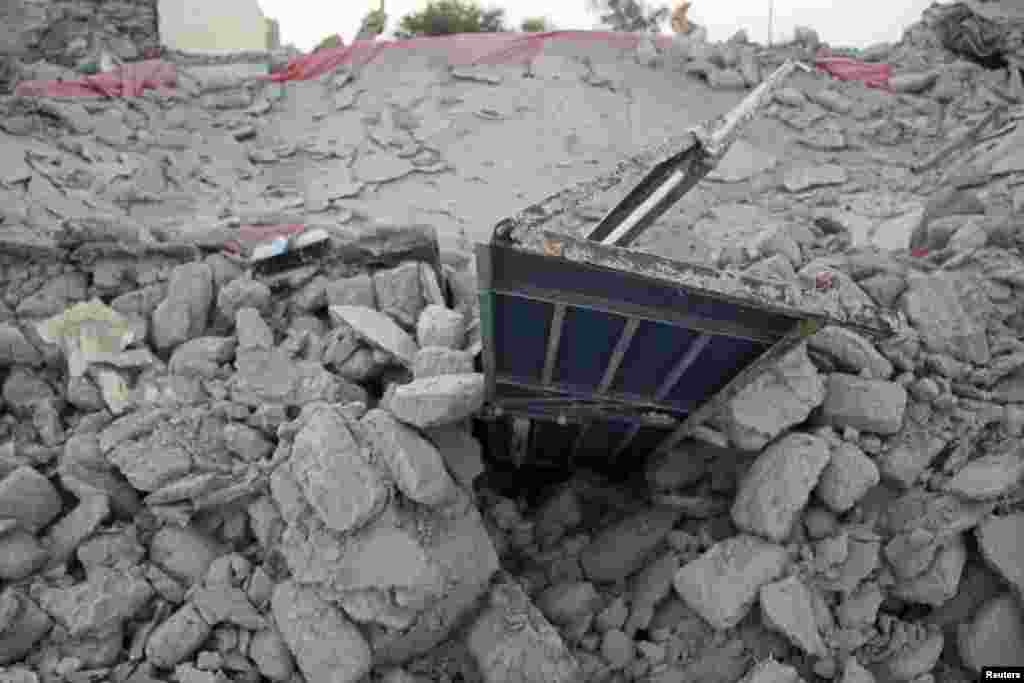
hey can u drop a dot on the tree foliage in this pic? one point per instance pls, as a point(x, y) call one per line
point(535, 25)
point(631, 15)
point(445, 17)
point(373, 24)
point(330, 41)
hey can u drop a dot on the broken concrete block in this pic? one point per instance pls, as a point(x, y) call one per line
point(803, 178)
point(328, 648)
point(847, 477)
point(377, 330)
point(865, 404)
point(202, 356)
point(996, 634)
point(252, 331)
point(999, 541)
point(788, 607)
point(440, 326)
point(29, 498)
point(107, 598)
point(183, 315)
point(934, 306)
point(243, 292)
point(462, 453)
point(177, 638)
point(567, 602)
point(939, 582)
point(511, 640)
point(351, 291)
point(780, 398)
point(274, 377)
point(414, 462)
point(772, 671)
point(988, 477)
point(722, 584)
point(431, 361)
point(853, 351)
point(270, 654)
point(399, 293)
point(25, 624)
point(66, 535)
point(334, 472)
point(15, 349)
point(914, 659)
point(620, 550)
point(20, 555)
point(437, 401)
point(185, 553)
point(778, 485)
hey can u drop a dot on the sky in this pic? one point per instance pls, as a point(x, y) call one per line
point(839, 22)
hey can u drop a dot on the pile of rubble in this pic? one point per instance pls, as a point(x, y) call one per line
point(211, 474)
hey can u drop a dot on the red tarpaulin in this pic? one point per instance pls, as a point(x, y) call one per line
point(463, 49)
point(127, 80)
point(848, 69)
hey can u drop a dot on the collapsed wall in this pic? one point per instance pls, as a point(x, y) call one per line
point(209, 474)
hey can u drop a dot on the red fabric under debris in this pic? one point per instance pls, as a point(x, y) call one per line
point(127, 80)
point(251, 235)
point(848, 69)
point(463, 49)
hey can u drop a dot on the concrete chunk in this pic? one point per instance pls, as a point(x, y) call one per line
point(788, 607)
point(847, 477)
point(30, 498)
point(415, 463)
point(851, 350)
point(436, 401)
point(865, 404)
point(378, 330)
point(778, 485)
point(722, 584)
point(621, 549)
point(999, 539)
point(328, 648)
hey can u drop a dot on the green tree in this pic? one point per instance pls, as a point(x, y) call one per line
point(328, 42)
point(373, 24)
point(535, 25)
point(631, 15)
point(445, 17)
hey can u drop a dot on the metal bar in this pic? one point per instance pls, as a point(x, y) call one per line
point(798, 334)
point(680, 368)
point(764, 296)
point(573, 414)
point(554, 339)
point(488, 335)
point(586, 393)
point(670, 180)
point(621, 346)
point(625, 443)
point(631, 310)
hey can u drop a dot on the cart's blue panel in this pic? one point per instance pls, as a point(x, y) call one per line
point(684, 347)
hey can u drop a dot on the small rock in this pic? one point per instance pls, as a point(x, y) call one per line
point(15, 349)
point(378, 330)
point(20, 555)
point(722, 584)
point(914, 83)
point(996, 634)
point(617, 648)
point(177, 639)
point(915, 659)
point(853, 351)
point(183, 314)
point(29, 498)
point(788, 607)
point(778, 485)
point(620, 550)
point(566, 603)
point(999, 541)
point(462, 453)
point(270, 653)
point(328, 648)
point(184, 553)
point(106, 599)
point(805, 178)
point(988, 477)
point(832, 100)
point(243, 292)
point(790, 97)
point(253, 332)
point(847, 477)
point(431, 361)
point(771, 671)
point(436, 401)
point(414, 462)
point(511, 641)
point(440, 326)
point(864, 404)
point(246, 442)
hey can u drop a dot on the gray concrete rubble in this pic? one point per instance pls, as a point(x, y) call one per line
point(212, 473)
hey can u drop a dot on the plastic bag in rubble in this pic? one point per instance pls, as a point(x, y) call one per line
point(88, 332)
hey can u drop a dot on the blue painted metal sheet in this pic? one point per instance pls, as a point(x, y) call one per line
point(609, 362)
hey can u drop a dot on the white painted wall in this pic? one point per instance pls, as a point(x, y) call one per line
point(205, 26)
